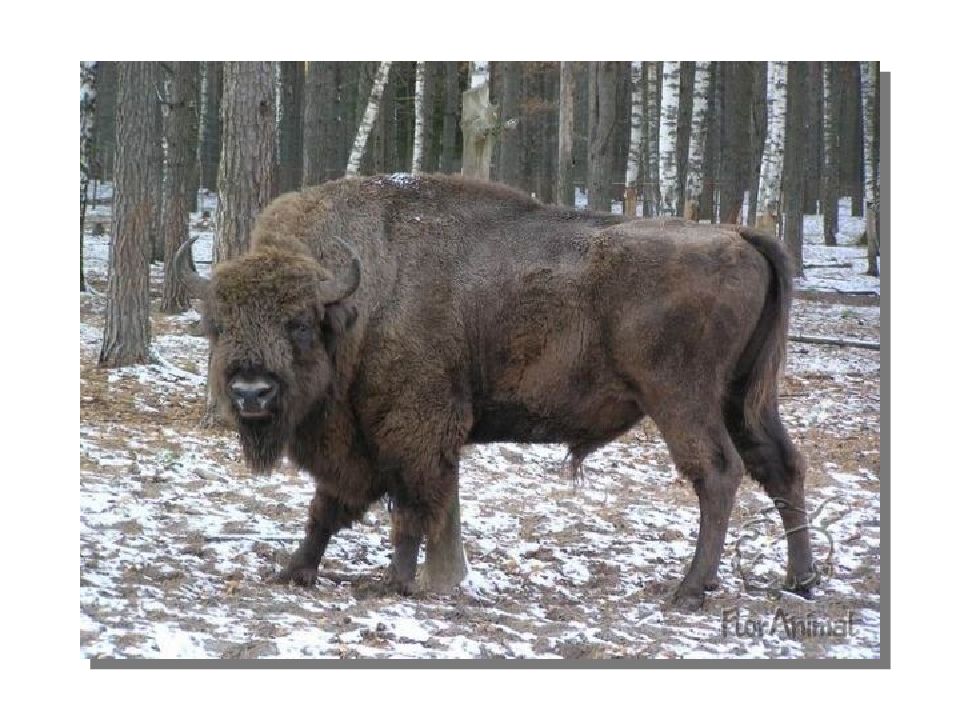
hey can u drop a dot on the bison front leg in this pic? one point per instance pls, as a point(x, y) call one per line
point(327, 516)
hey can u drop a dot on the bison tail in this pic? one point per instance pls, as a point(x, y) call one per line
point(757, 374)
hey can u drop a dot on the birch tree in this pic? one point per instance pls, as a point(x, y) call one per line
point(126, 331)
point(830, 180)
point(669, 107)
point(868, 91)
point(369, 117)
point(771, 166)
point(651, 193)
point(416, 165)
point(88, 97)
point(635, 153)
point(698, 137)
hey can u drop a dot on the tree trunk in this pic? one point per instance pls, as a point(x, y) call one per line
point(698, 136)
point(312, 126)
point(565, 192)
point(684, 117)
point(210, 147)
point(830, 182)
point(651, 191)
point(181, 121)
point(104, 125)
point(88, 98)
point(419, 120)
point(771, 166)
point(291, 125)
point(369, 116)
point(869, 77)
point(634, 155)
point(601, 126)
point(156, 159)
point(735, 161)
point(126, 333)
point(511, 147)
point(793, 161)
point(669, 108)
point(711, 148)
point(813, 122)
point(451, 117)
point(758, 136)
point(247, 156)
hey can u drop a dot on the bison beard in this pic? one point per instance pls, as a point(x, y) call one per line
point(485, 316)
point(263, 441)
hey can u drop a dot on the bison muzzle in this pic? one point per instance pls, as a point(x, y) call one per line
point(456, 312)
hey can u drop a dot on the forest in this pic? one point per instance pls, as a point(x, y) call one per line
point(177, 536)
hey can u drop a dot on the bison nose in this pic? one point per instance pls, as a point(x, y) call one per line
point(253, 397)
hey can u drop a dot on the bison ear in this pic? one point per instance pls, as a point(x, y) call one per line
point(338, 317)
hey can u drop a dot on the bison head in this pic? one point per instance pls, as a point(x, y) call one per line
point(273, 318)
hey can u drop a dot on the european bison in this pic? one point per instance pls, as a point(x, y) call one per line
point(378, 325)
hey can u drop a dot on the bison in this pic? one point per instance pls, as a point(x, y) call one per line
point(377, 325)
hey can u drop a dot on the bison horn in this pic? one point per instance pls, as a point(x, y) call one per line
point(196, 285)
point(345, 284)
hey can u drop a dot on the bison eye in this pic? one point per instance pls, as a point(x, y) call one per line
point(301, 332)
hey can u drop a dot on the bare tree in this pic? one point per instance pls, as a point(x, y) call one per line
point(416, 165)
point(211, 124)
point(88, 97)
point(369, 116)
point(601, 121)
point(830, 180)
point(565, 144)
point(669, 109)
point(180, 131)
point(698, 135)
point(651, 190)
point(291, 125)
point(637, 127)
point(771, 166)
point(511, 146)
point(451, 117)
point(869, 76)
point(126, 333)
point(248, 154)
point(798, 76)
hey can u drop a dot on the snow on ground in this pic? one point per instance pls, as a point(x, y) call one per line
point(177, 538)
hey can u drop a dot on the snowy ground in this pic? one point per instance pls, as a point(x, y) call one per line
point(177, 537)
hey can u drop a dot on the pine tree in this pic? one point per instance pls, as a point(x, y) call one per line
point(180, 132)
point(126, 334)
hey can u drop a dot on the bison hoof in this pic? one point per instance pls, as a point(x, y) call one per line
point(804, 584)
point(299, 575)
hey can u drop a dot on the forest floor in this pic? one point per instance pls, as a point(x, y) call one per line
point(177, 537)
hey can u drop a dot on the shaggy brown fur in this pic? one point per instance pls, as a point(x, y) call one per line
point(483, 315)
